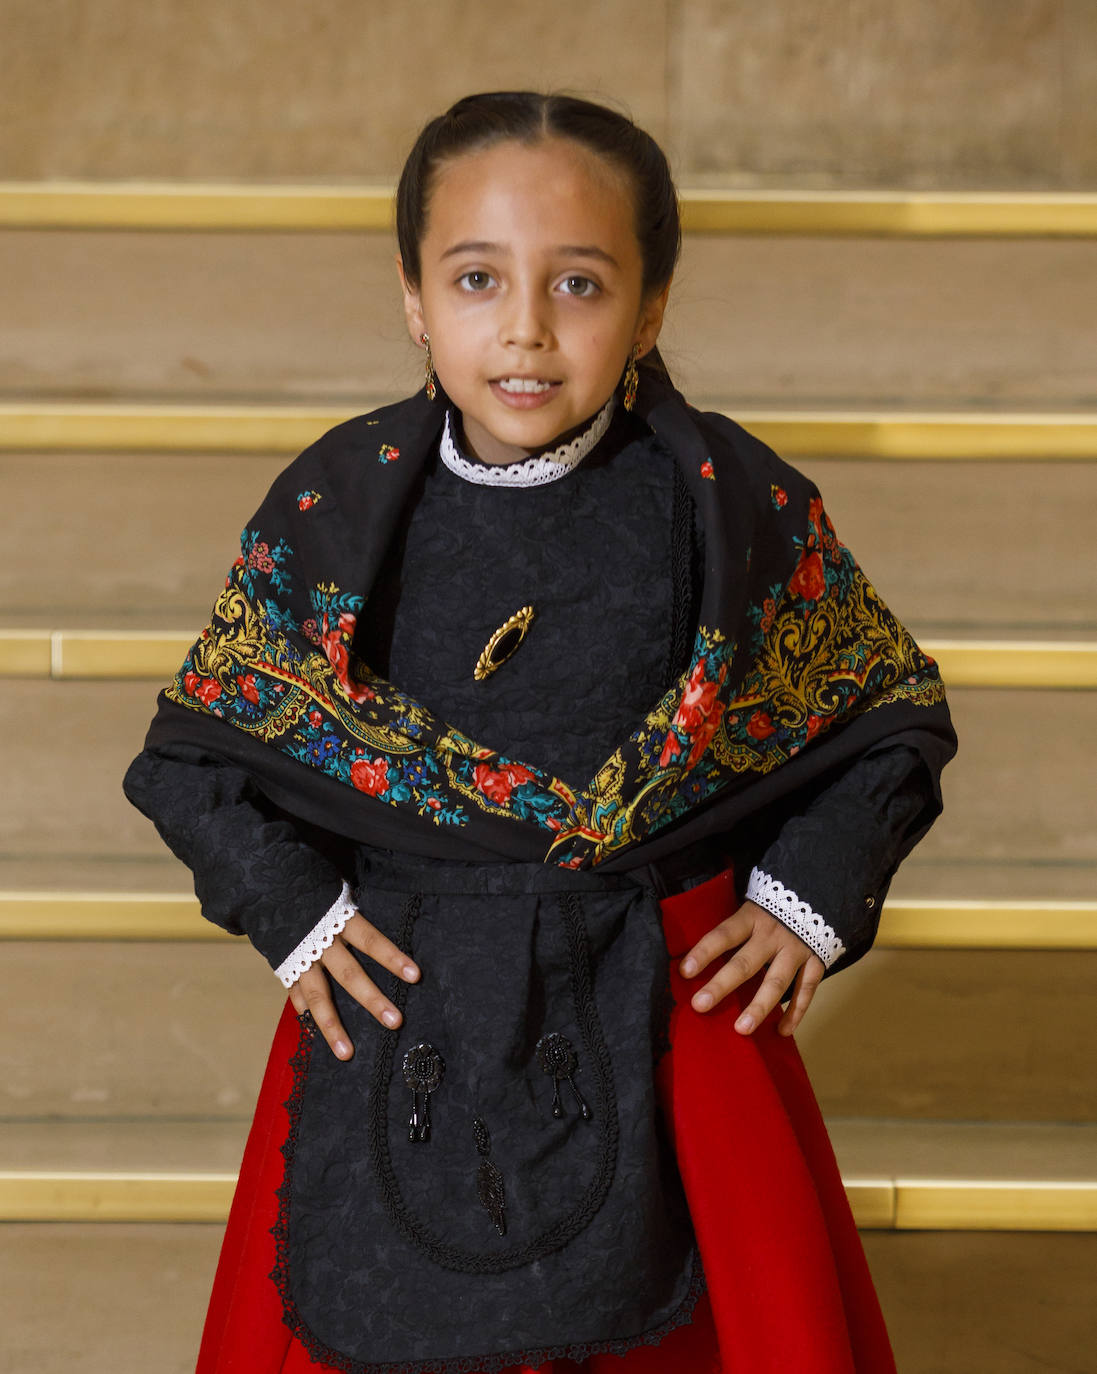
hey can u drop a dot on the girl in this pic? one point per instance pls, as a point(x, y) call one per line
point(528, 700)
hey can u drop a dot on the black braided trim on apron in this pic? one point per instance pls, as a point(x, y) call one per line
point(321, 1353)
point(557, 1236)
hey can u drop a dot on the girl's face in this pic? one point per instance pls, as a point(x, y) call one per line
point(531, 291)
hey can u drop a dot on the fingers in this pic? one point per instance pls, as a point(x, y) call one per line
point(743, 965)
point(312, 991)
point(807, 980)
point(729, 933)
point(758, 939)
point(351, 976)
point(367, 938)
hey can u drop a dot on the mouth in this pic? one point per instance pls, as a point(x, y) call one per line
point(523, 386)
point(524, 393)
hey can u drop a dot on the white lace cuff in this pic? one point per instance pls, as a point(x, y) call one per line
point(318, 939)
point(783, 903)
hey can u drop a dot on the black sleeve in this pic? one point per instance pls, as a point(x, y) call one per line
point(257, 871)
point(826, 871)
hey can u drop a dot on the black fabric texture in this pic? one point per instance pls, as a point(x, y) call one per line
point(257, 871)
point(595, 1217)
point(838, 853)
point(593, 553)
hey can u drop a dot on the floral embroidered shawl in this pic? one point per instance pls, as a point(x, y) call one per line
point(797, 667)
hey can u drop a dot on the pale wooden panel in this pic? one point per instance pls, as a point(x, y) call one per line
point(754, 321)
point(172, 1030)
point(934, 94)
point(274, 90)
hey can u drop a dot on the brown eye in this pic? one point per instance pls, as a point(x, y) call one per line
point(475, 281)
point(579, 286)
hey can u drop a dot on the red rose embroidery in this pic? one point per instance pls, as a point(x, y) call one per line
point(814, 722)
point(315, 719)
point(190, 683)
point(248, 688)
point(207, 691)
point(498, 783)
point(760, 726)
point(371, 777)
point(699, 712)
point(809, 579)
point(779, 495)
point(671, 750)
point(707, 470)
point(337, 655)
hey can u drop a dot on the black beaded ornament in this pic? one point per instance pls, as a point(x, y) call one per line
point(558, 1058)
point(489, 1178)
point(424, 1069)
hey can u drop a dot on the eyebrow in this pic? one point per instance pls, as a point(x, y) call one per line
point(564, 250)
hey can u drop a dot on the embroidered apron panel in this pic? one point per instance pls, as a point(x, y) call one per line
point(542, 1161)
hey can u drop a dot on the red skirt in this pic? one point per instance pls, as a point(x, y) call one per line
point(788, 1285)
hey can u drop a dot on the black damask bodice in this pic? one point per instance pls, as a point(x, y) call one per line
point(603, 557)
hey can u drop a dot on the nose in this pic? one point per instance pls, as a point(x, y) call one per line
point(525, 322)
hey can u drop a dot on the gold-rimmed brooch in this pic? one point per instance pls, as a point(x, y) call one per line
point(503, 643)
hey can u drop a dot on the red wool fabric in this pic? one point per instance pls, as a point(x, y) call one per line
point(788, 1285)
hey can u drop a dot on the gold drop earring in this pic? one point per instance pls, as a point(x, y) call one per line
point(432, 385)
point(632, 378)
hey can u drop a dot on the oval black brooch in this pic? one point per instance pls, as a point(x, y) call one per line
point(503, 643)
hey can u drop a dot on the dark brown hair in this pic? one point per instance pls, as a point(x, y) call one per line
point(478, 121)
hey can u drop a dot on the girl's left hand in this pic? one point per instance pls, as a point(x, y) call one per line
point(758, 939)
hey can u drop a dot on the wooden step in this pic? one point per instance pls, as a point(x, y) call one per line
point(120, 655)
point(929, 535)
point(895, 434)
point(992, 1302)
point(85, 1298)
point(755, 322)
point(936, 1177)
point(57, 914)
point(709, 210)
point(986, 1303)
point(964, 98)
point(937, 1033)
point(156, 1030)
point(174, 1030)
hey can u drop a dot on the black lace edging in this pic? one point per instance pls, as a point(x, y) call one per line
point(318, 1351)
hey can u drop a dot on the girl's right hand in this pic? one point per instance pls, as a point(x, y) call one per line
point(312, 991)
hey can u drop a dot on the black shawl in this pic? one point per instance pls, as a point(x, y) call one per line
point(797, 668)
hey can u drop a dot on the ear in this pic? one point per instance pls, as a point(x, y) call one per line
point(413, 307)
point(651, 319)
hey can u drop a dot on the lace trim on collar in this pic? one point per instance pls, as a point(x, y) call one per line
point(530, 472)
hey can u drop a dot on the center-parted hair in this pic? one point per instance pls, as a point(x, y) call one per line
point(478, 121)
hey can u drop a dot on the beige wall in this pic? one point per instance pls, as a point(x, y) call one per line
point(935, 93)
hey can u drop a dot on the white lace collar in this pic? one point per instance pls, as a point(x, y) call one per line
point(529, 472)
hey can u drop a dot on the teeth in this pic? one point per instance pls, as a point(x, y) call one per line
point(520, 385)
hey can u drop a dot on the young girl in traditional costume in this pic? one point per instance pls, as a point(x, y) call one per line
point(528, 701)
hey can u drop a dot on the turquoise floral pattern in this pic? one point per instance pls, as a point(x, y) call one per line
point(821, 648)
